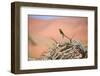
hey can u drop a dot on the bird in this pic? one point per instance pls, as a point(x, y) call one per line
point(63, 35)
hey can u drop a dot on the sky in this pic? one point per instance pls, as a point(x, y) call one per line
point(44, 17)
point(43, 28)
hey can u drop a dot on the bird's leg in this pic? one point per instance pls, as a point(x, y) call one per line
point(62, 37)
point(71, 40)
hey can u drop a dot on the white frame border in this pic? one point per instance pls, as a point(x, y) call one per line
point(25, 64)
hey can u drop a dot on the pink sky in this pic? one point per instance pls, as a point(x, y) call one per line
point(42, 28)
